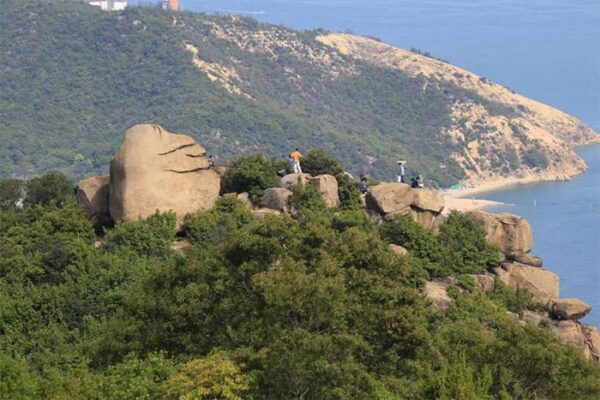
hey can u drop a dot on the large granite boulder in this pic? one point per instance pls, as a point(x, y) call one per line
point(543, 284)
point(527, 259)
point(277, 199)
point(426, 218)
point(92, 196)
point(327, 186)
point(428, 199)
point(483, 282)
point(593, 341)
point(511, 233)
point(568, 332)
point(399, 250)
point(158, 170)
point(569, 308)
point(291, 180)
point(389, 198)
point(437, 292)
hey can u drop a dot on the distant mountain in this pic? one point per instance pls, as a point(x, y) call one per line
point(74, 78)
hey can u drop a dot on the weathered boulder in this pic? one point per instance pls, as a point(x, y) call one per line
point(158, 170)
point(568, 332)
point(401, 251)
point(428, 199)
point(528, 259)
point(569, 308)
point(92, 195)
point(327, 186)
point(261, 213)
point(277, 199)
point(244, 197)
point(483, 282)
point(388, 198)
point(436, 291)
point(534, 318)
point(511, 233)
point(427, 219)
point(291, 180)
point(593, 341)
point(543, 284)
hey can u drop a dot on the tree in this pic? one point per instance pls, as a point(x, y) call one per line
point(11, 191)
point(318, 162)
point(50, 187)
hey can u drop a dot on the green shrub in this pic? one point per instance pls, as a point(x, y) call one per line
point(348, 192)
point(150, 237)
point(50, 187)
point(466, 249)
point(212, 226)
point(252, 174)
point(318, 162)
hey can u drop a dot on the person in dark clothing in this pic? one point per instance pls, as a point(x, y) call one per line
point(413, 183)
point(362, 185)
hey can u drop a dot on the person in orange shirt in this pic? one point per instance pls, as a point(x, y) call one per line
point(296, 155)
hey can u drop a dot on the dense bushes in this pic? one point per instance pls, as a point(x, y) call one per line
point(252, 174)
point(314, 306)
point(318, 162)
point(460, 247)
point(50, 187)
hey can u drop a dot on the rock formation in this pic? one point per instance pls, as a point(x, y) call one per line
point(541, 283)
point(424, 206)
point(92, 195)
point(291, 180)
point(569, 308)
point(158, 170)
point(401, 251)
point(327, 186)
point(389, 198)
point(511, 233)
point(277, 199)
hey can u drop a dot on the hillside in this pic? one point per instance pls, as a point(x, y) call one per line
point(74, 79)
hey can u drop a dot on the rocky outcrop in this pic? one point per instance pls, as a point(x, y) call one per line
point(92, 196)
point(592, 340)
point(327, 186)
point(399, 250)
point(511, 233)
point(436, 292)
point(277, 199)
point(541, 283)
point(483, 282)
point(158, 170)
point(389, 198)
point(569, 308)
point(527, 259)
point(428, 200)
point(291, 180)
point(423, 206)
point(261, 213)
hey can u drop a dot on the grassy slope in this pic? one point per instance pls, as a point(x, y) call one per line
point(74, 79)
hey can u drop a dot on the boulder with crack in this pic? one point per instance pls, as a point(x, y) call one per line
point(158, 170)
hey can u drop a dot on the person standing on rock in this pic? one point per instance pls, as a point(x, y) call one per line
point(296, 155)
point(401, 171)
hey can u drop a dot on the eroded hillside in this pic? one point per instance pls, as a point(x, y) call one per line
point(75, 79)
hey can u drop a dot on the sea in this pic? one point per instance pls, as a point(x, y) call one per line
point(548, 50)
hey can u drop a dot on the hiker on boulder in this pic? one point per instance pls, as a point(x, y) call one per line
point(296, 156)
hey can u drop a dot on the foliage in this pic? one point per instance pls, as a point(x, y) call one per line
point(460, 247)
point(11, 191)
point(214, 225)
point(252, 174)
point(348, 192)
point(150, 237)
point(120, 62)
point(50, 187)
point(212, 377)
point(309, 306)
point(319, 162)
point(465, 244)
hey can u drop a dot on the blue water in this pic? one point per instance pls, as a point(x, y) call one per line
point(565, 217)
point(545, 49)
